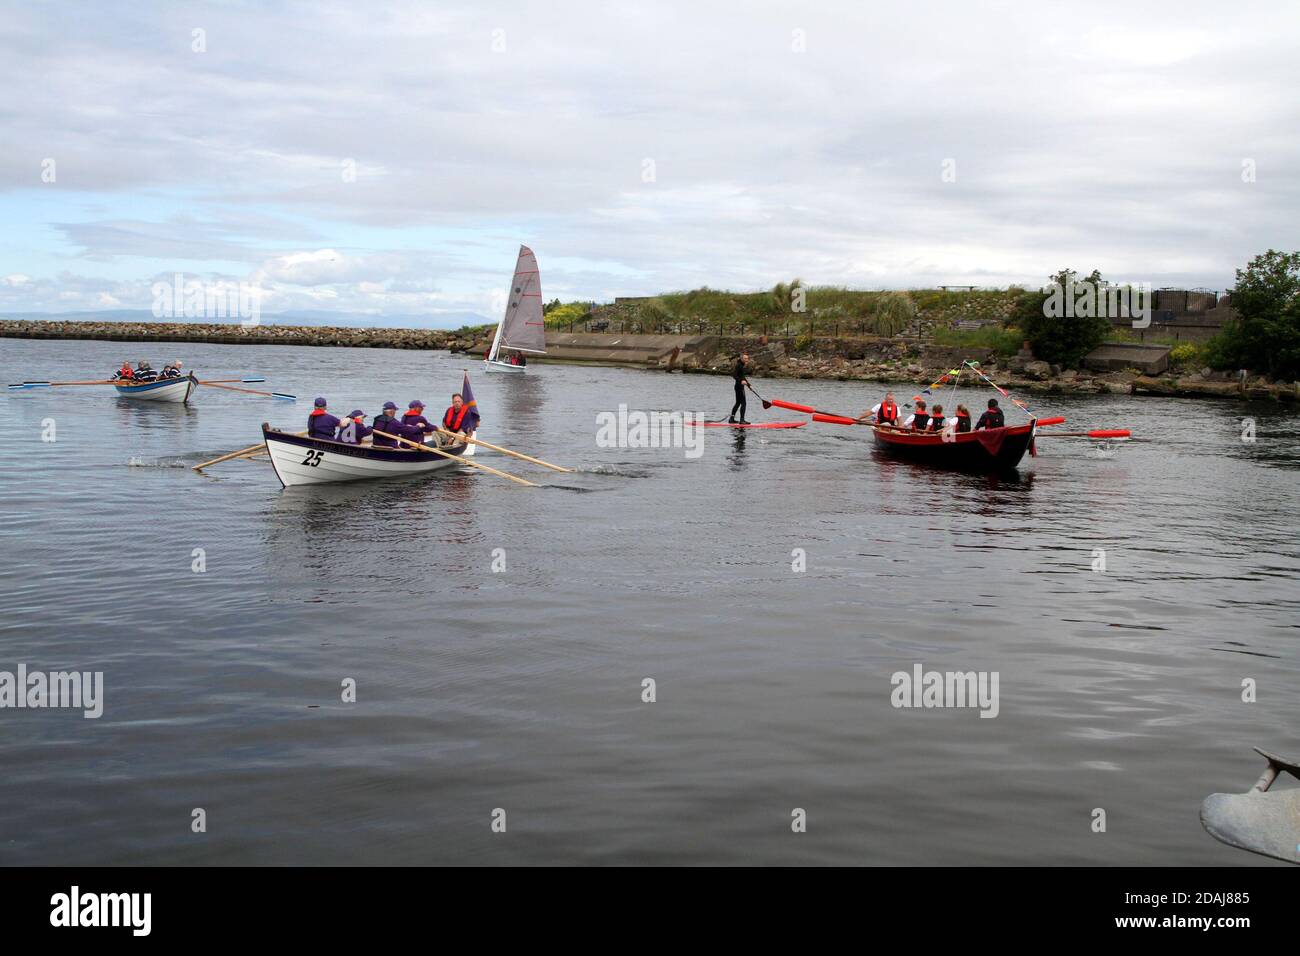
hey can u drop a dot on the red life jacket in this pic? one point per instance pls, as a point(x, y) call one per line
point(888, 413)
point(126, 371)
point(963, 422)
point(452, 420)
point(937, 422)
point(317, 411)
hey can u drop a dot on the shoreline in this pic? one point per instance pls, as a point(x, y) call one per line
point(890, 361)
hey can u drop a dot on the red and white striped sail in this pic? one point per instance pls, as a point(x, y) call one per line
point(522, 328)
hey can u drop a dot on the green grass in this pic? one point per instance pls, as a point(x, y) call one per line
point(1005, 342)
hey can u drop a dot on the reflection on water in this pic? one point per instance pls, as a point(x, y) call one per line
point(499, 635)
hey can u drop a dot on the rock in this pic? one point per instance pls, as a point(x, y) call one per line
point(1037, 370)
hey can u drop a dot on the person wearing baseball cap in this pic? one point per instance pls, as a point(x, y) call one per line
point(386, 421)
point(320, 423)
point(414, 418)
point(353, 430)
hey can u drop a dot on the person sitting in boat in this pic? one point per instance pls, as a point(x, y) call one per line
point(883, 412)
point(919, 420)
point(414, 419)
point(992, 418)
point(125, 372)
point(173, 370)
point(320, 423)
point(352, 430)
point(962, 418)
point(453, 419)
point(144, 372)
point(937, 421)
point(386, 421)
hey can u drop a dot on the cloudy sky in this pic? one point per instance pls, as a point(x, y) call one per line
point(389, 158)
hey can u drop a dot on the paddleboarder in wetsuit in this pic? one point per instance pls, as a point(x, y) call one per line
point(738, 373)
point(992, 418)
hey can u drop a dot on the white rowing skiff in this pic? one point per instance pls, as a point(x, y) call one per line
point(299, 460)
point(176, 390)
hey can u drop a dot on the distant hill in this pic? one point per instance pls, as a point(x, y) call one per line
point(313, 317)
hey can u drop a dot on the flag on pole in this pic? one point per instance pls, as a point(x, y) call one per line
point(472, 416)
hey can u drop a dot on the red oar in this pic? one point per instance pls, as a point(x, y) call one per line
point(838, 419)
point(1096, 433)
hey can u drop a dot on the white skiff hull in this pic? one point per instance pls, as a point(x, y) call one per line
point(490, 365)
point(298, 460)
point(176, 390)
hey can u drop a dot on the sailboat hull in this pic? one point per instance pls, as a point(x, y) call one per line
point(491, 365)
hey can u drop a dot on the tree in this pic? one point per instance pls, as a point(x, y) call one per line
point(1265, 335)
point(1063, 336)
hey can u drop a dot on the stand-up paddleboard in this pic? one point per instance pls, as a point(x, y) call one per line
point(749, 425)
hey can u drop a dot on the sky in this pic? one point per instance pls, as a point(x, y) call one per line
point(388, 159)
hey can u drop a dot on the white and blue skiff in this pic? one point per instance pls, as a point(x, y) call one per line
point(176, 390)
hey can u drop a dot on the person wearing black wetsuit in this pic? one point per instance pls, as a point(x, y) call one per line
point(992, 418)
point(738, 373)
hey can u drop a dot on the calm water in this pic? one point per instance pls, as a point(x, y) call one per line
point(522, 690)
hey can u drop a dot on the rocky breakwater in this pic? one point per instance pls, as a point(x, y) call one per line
point(228, 334)
point(914, 364)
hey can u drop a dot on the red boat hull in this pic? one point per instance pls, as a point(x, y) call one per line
point(988, 450)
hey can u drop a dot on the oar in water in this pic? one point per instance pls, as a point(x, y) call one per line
point(237, 381)
point(233, 454)
point(504, 451)
point(460, 458)
point(250, 450)
point(126, 381)
point(253, 391)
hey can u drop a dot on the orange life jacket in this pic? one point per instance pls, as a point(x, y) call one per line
point(888, 412)
point(454, 418)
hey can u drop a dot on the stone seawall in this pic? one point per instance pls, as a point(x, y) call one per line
point(228, 334)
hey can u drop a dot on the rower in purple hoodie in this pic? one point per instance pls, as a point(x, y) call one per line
point(320, 423)
point(418, 426)
point(387, 422)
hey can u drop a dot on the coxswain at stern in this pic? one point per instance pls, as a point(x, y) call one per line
point(992, 418)
point(883, 412)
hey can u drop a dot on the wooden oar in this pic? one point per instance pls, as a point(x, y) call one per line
point(253, 391)
point(219, 381)
point(460, 458)
point(505, 451)
point(233, 454)
point(120, 381)
point(251, 449)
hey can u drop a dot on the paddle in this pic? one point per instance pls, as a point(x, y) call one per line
point(218, 381)
point(253, 391)
point(460, 458)
point(505, 451)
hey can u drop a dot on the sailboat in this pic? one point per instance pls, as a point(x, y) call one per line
point(521, 329)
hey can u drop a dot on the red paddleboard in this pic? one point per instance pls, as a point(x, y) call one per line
point(752, 425)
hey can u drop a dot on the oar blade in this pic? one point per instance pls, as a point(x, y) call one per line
point(285, 395)
point(806, 409)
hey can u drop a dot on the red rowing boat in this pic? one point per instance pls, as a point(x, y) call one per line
point(991, 449)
